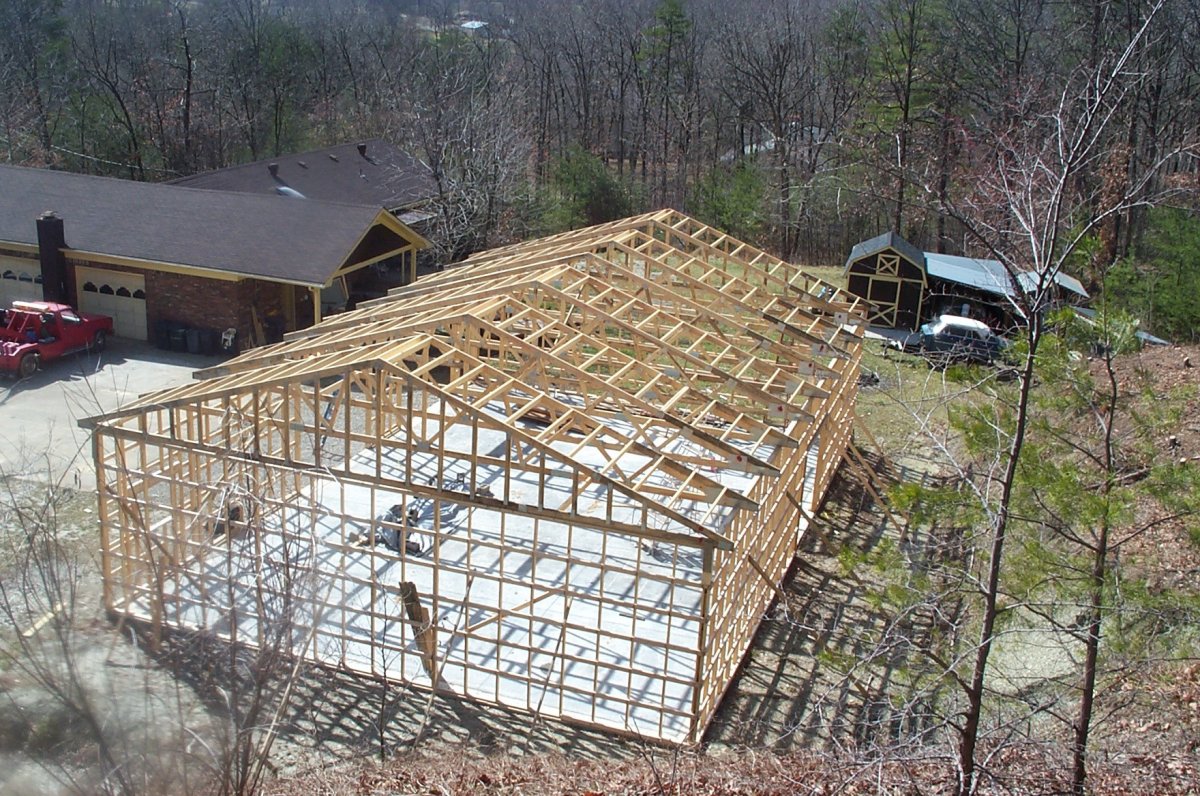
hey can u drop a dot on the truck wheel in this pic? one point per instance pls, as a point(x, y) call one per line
point(99, 341)
point(29, 365)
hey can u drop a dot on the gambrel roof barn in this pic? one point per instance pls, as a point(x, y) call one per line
point(901, 286)
point(566, 476)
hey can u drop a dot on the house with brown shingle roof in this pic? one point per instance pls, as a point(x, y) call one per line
point(372, 172)
point(157, 254)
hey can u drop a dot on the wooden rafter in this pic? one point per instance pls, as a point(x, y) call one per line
point(590, 456)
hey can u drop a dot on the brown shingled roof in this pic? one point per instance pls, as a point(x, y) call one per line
point(268, 237)
point(382, 175)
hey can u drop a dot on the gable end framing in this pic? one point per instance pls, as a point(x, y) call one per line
point(590, 456)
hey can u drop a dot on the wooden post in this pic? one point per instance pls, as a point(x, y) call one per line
point(418, 618)
point(862, 426)
point(780, 593)
point(289, 307)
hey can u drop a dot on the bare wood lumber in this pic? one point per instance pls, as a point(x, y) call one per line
point(426, 632)
point(780, 593)
point(813, 525)
point(863, 474)
point(590, 455)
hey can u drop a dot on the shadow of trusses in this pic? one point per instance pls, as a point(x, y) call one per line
point(821, 669)
point(346, 715)
point(793, 689)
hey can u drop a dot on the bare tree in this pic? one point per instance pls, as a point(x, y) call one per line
point(39, 596)
point(1036, 198)
point(456, 108)
point(152, 735)
point(904, 52)
point(772, 72)
point(32, 31)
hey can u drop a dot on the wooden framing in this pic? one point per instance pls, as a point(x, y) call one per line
point(566, 476)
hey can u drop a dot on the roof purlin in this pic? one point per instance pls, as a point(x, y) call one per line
point(548, 450)
point(679, 218)
point(783, 405)
point(678, 357)
point(738, 301)
point(569, 416)
point(654, 378)
point(759, 466)
point(775, 345)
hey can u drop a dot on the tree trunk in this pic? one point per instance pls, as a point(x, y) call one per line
point(1083, 723)
point(901, 160)
point(969, 733)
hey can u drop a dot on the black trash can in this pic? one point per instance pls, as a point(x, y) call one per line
point(162, 334)
point(208, 341)
point(193, 341)
point(179, 338)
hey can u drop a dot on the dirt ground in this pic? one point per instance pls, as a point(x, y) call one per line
point(1169, 375)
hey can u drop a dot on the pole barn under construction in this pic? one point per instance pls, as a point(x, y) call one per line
point(565, 476)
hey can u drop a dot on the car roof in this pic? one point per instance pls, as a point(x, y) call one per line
point(39, 306)
point(970, 323)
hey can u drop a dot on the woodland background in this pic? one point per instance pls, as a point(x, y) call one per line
point(806, 126)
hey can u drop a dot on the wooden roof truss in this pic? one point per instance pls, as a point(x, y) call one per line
point(650, 378)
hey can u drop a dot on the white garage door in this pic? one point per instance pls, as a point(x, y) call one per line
point(121, 295)
point(20, 280)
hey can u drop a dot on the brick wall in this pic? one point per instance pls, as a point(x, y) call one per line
point(201, 303)
point(192, 301)
point(266, 299)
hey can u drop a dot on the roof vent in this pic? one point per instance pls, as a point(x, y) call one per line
point(302, 164)
point(273, 168)
point(362, 150)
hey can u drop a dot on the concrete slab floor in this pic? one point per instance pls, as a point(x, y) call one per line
point(619, 651)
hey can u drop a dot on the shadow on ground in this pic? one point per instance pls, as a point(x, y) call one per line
point(800, 684)
point(785, 696)
point(340, 714)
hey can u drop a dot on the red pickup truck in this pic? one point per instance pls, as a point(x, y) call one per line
point(32, 332)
